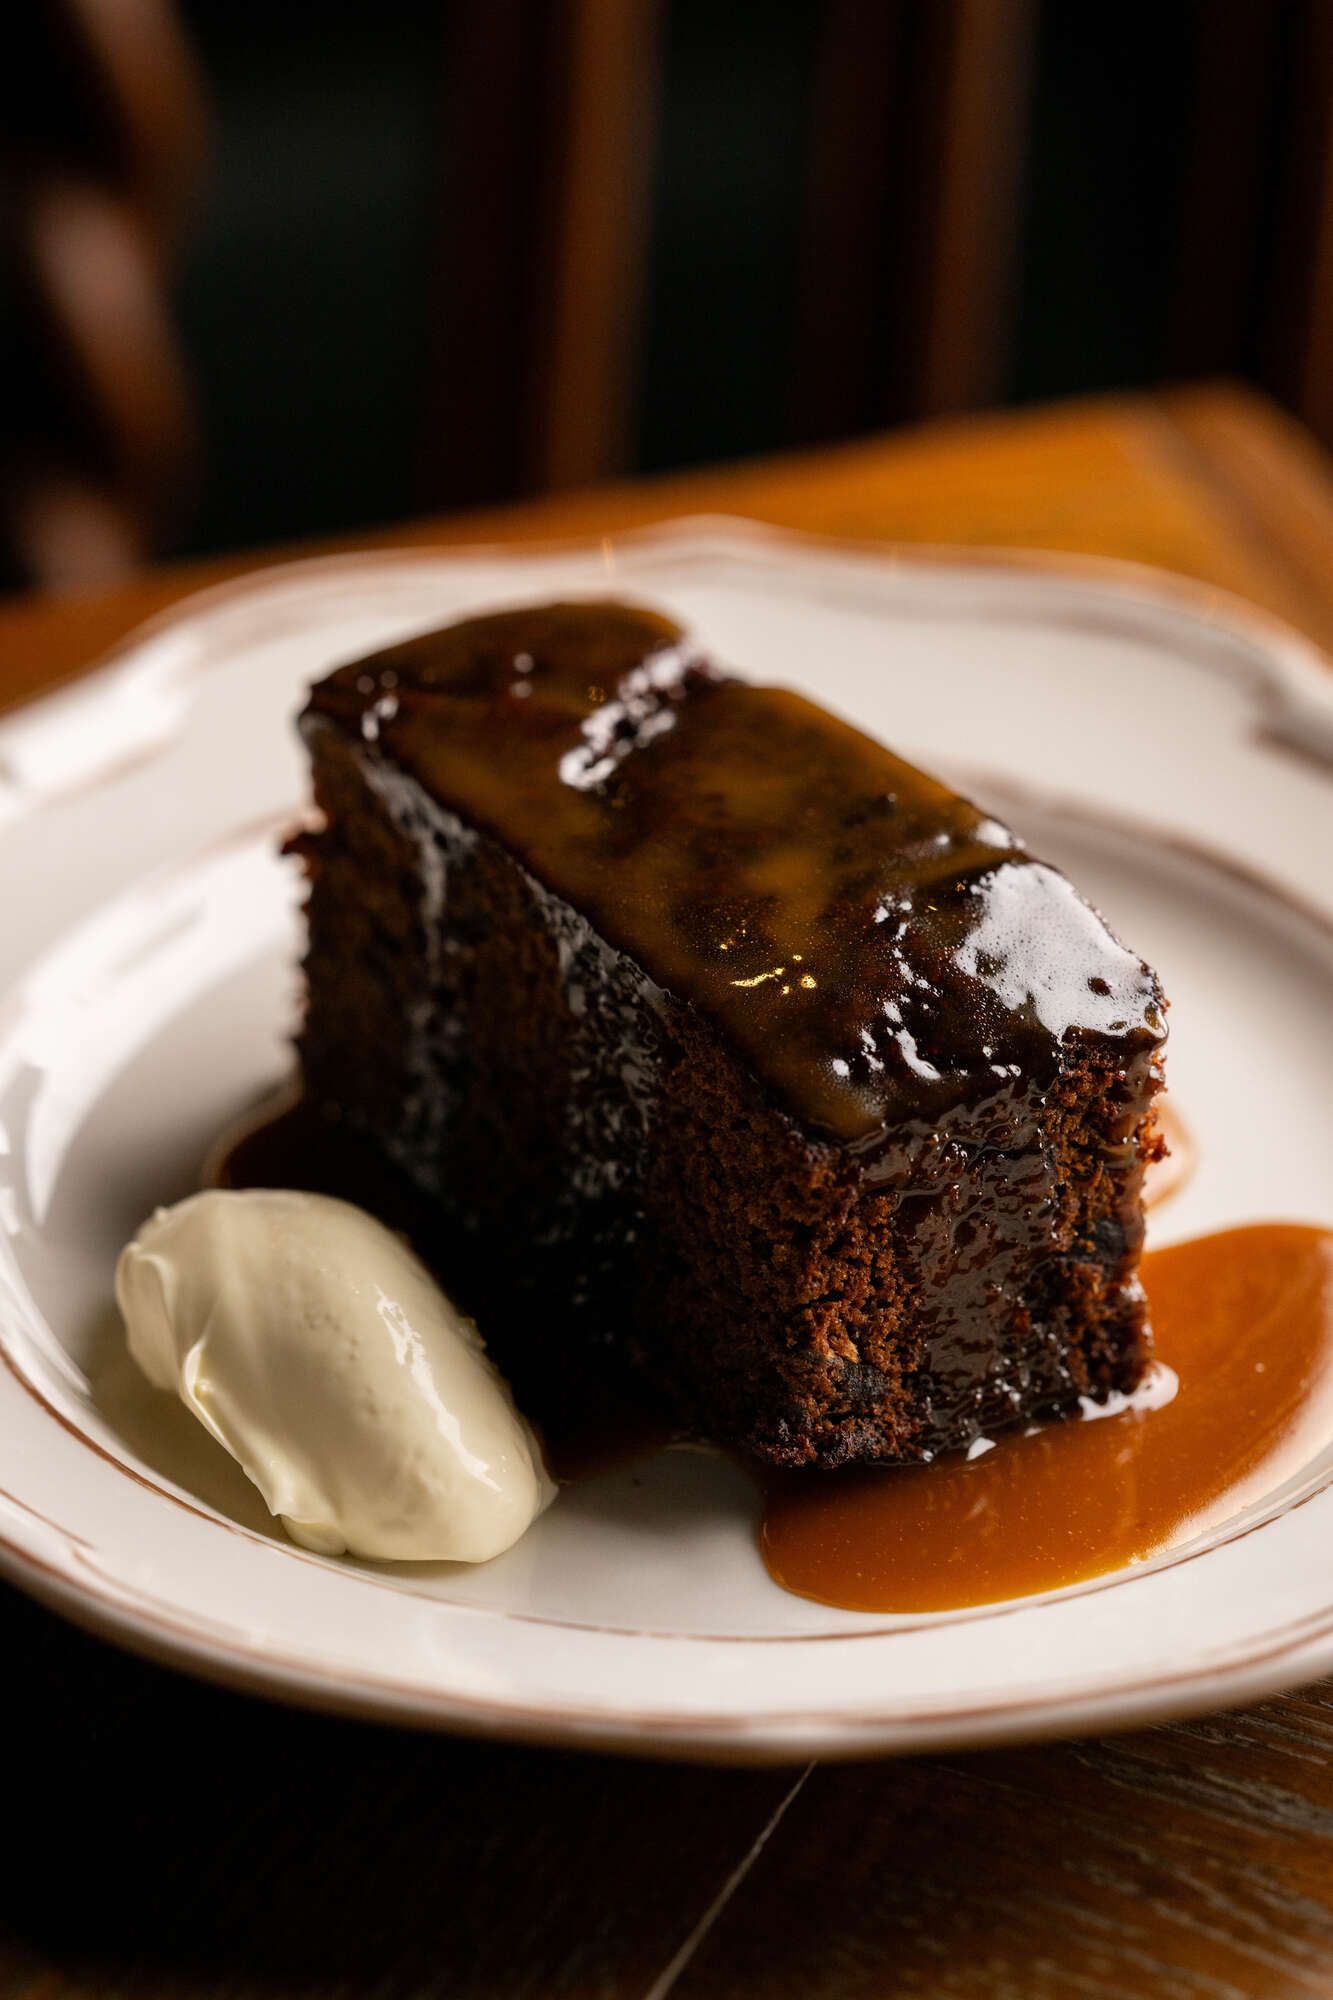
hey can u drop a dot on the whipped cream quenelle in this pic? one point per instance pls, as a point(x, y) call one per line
point(313, 1345)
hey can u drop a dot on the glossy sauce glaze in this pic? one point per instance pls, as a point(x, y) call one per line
point(1243, 1318)
point(878, 949)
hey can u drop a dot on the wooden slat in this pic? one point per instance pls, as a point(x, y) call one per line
point(476, 421)
point(1308, 227)
point(1252, 266)
point(587, 315)
point(965, 269)
point(912, 228)
point(100, 147)
point(542, 245)
point(855, 157)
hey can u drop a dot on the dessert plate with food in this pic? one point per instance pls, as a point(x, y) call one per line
point(590, 1148)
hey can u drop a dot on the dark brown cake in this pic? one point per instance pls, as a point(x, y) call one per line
point(820, 1100)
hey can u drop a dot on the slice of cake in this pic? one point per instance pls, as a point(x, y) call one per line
point(792, 1074)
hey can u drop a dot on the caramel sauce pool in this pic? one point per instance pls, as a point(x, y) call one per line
point(1244, 1318)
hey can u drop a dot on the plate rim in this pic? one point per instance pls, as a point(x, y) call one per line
point(1293, 670)
point(724, 1739)
point(1285, 660)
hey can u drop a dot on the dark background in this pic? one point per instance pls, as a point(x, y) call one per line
point(1161, 229)
point(303, 301)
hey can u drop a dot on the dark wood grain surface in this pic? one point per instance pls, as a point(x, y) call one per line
point(168, 1839)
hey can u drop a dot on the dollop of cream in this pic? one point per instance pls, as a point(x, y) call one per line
point(313, 1345)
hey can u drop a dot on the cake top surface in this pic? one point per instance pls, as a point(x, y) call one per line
point(873, 945)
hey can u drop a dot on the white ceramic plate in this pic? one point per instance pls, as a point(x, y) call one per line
point(1169, 747)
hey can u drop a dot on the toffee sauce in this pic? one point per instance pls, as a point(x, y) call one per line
point(1245, 1320)
point(875, 947)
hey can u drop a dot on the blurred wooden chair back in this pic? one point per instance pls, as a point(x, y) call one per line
point(913, 219)
point(100, 148)
point(903, 296)
point(898, 304)
point(900, 297)
point(909, 239)
point(1253, 277)
point(543, 249)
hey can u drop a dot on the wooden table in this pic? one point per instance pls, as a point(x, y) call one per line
point(168, 1839)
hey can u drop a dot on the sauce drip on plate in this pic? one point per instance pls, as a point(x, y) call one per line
point(1243, 1318)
